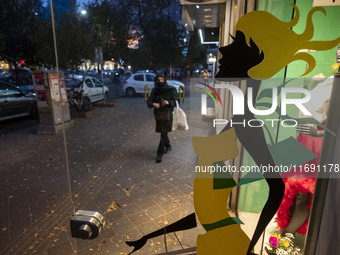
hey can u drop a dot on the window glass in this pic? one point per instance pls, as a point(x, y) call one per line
point(150, 77)
point(89, 83)
point(97, 83)
point(139, 77)
point(8, 91)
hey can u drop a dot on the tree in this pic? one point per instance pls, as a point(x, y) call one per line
point(110, 27)
point(74, 41)
point(18, 20)
point(196, 50)
point(158, 33)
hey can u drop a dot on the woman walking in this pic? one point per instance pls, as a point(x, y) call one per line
point(162, 99)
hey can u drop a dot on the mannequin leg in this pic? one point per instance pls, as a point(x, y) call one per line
point(299, 215)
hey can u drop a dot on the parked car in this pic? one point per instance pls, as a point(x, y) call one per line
point(91, 72)
point(92, 88)
point(107, 72)
point(145, 71)
point(73, 73)
point(22, 76)
point(117, 73)
point(136, 82)
point(16, 103)
point(175, 83)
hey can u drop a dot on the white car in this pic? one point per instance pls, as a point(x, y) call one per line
point(136, 82)
point(92, 88)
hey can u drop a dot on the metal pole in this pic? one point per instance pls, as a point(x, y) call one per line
point(101, 75)
point(213, 74)
point(62, 123)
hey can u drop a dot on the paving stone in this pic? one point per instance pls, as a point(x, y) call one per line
point(113, 214)
point(161, 197)
point(123, 225)
point(148, 227)
point(155, 211)
point(139, 218)
point(180, 212)
point(124, 200)
point(131, 209)
point(133, 234)
point(165, 219)
point(165, 186)
point(116, 246)
point(91, 250)
point(174, 193)
point(169, 206)
point(64, 248)
point(157, 181)
point(146, 203)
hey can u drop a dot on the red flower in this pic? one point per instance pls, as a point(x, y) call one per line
point(273, 242)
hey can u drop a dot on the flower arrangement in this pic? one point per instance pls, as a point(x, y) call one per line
point(281, 245)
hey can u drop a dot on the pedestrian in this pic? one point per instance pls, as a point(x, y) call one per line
point(206, 76)
point(163, 99)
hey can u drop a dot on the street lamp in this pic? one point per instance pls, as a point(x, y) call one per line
point(83, 12)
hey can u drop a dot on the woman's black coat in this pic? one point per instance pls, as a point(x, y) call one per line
point(158, 94)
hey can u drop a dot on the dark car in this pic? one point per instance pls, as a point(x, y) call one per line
point(20, 76)
point(117, 73)
point(16, 103)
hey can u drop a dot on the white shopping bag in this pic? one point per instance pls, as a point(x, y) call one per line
point(179, 119)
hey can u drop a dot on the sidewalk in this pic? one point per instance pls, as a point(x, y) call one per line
point(113, 171)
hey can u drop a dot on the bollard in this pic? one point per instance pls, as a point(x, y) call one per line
point(183, 93)
point(146, 87)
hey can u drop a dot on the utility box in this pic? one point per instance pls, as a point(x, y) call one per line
point(52, 101)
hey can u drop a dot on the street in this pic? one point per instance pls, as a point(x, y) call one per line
point(112, 170)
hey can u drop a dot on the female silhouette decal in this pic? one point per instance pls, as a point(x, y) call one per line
point(262, 46)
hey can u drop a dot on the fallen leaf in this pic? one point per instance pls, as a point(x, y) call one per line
point(94, 177)
point(128, 190)
point(113, 206)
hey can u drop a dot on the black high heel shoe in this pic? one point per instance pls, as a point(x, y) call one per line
point(159, 159)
